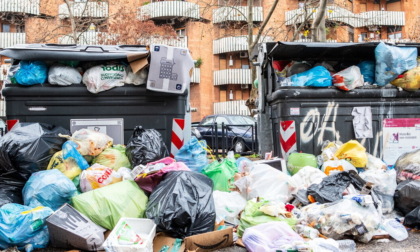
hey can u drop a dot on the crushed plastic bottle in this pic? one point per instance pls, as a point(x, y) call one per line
point(395, 229)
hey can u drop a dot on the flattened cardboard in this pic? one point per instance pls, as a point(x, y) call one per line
point(161, 240)
point(210, 241)
point(69, 228)
point(137, 61)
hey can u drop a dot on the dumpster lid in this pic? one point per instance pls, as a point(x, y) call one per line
point(325, 51)
point(75, 52)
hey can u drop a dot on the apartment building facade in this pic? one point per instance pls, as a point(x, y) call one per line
point(215, 31)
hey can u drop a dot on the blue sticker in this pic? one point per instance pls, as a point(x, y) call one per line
point(178, 86)
point(157, 48)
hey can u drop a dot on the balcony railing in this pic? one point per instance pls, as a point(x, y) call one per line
point(310, 40)
point(195, 78)
point(236, 13)
point(177, 42)
point(232, 76)
point(8, 39)
point(231, 107)
point(84, 38)
point(84, 10)
point(234, 44)
point(338, 14)
point(170, 9)
point(20, 6)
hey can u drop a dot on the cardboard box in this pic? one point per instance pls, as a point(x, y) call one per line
point(170, 69)
point(69, 228)
point(202, 242)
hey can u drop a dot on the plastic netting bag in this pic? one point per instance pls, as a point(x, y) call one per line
point(63, 75)
point(113, 157)
point(182, 204)
point(392, 61)
point(228, 205)
point(348, 79)
point(367, 69)
point(318, 76)
point(49, 188)
point(222, 174)
point(90, 142)
point(23, 226)
point(409, 80)
point(105, 206)
point(145, 146)
point(193, 153)
point(31, 73)
point(104, 77)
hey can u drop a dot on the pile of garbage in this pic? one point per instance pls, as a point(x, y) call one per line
point(80, 191)
point(399, 66)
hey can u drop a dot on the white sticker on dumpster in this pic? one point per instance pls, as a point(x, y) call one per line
point(294, 111)
point(113, 127)
point(400, 135)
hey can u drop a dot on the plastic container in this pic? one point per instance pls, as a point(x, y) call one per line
point(347, 245)
point(145, 228)
point(395, 229)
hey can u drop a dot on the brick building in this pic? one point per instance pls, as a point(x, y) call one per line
point(214, 31)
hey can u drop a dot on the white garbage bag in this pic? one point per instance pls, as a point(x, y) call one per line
point(228, 205)
point(63, 75)
point(104, 77)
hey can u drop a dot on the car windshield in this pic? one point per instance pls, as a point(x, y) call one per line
point(241, 120)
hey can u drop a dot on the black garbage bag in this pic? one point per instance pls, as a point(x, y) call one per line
point(144, 146)
point(407, 196)
point(412, 219)
point(182, 204)
point(332, 187)
point(26, 149)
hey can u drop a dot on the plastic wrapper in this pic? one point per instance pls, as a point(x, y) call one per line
point(412, 219)
point(297, 161)
point(113, 157)
point(348, 79)
point(353, 152)
point(182, 204)
point(272, 236)
point(409, 80)
point(253, 215)
point(384, 183)
point(193, 153)
point(332, 166)
point(375, 163)
point(145, 146)
point(228, 205)
point(318, 76)
point(266, 182)
point(343, 217)
point(367, 69)
point(70, 152)
point(68, 167)
point(31, 73)
point(98, 176)
point(222, 174)
point(49, 188)
point(90, 142)
point(392, 61)
point(63, 75)
point(105, 206)
point(23, 226)
point(408, 166)
point(395, 229)
point(136, 78)
point(154, 172)
point(407, 196)
point(328, 151)
point(104, 77)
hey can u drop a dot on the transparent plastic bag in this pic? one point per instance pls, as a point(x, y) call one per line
point(331, 166)
point(193, 153)
point(113, 157)
point(104, 77)
point(307, 176)
point(98, 176)
point(90, 142)
point(138, 78)
point(408, 166)
point(318, 76)
point(228, 205)
point(63, 75)
point(348, 79)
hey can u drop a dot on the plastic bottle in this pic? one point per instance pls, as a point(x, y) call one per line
point(395, 229)
point(347, 245)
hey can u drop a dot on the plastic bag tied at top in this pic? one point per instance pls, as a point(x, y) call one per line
point(31, 72)
point(221, 173)
point(182, 204)
point(193, 153)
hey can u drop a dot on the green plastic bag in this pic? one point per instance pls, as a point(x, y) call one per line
point(252, 216)
point(113, 157)
point(105, 206)
point(222, 174)
point(297, 161)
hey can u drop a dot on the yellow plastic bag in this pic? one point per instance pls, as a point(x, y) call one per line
point(69, 166)
point(353, 152)
point(409, 80)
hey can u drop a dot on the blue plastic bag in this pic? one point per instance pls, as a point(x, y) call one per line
point(367, 68)
point(70, 151)
point(392, 61)
point(318, 76)
point(31, 73)
point(193, 154)
point(23, 226)
point(50, 188)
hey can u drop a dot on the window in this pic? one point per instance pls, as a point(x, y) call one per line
point(208, 121)
point(181, 32)
point(220, 120)
point(20, 28)
point(362, 37)
point(394, 32)
point(5, 28)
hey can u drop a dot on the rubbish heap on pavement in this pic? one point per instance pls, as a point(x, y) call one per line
point(81, 191)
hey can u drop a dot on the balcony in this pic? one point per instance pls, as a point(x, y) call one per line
point(84, 38)
point(232, 76)
point(234, 44)
point(30, 7)
point(236, 14)
point(339, 14)
point(195, 78)
point(177, 42)
point(310, 40)
point(8, 39)
point(231, 107)
point(84, 10)
point(169, 9)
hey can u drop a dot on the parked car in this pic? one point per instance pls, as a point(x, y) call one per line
point(237, 133)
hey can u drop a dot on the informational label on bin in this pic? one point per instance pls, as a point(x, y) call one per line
point(400, 135)
point(113, 127)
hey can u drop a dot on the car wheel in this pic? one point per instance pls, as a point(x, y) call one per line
point(239, 146)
